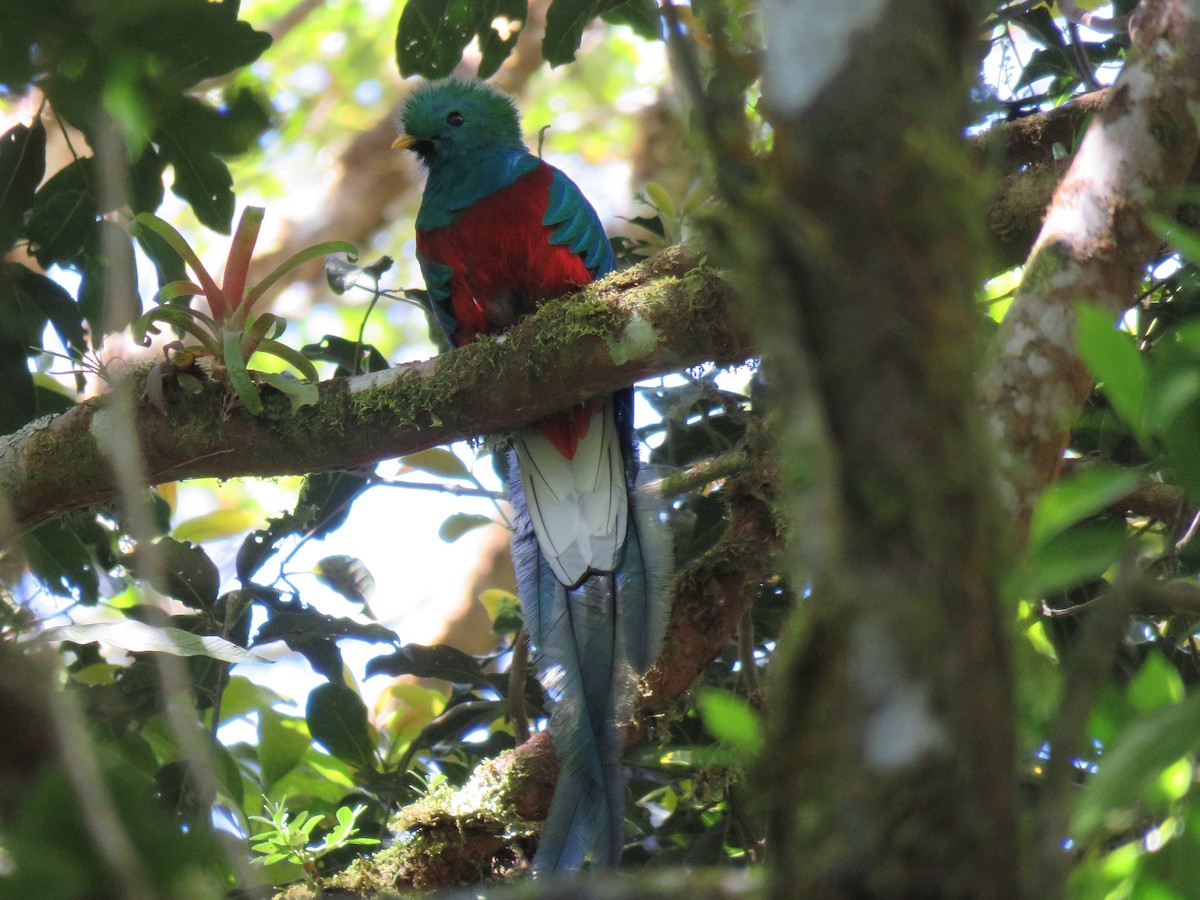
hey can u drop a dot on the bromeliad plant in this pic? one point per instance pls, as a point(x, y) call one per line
point(232, 334)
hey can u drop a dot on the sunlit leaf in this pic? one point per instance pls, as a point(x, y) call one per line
point(216, 525)
point(504, 609)
point(731, 720)
point(1084, 552)
point(348, 576)
point(138, 637)
point(1149, 745)
point(438, 461)
point(1114, 361)
point(1071, 500)
point(282, 743)
point(458, 524)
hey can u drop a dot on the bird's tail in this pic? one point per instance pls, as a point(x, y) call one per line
point(591, 642)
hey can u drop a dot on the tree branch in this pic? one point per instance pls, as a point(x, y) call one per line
point(1141, 145)
point(661, 316)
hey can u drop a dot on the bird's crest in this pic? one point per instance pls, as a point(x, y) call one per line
point(451, 117)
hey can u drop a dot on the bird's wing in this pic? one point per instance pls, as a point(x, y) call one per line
point(576, 225)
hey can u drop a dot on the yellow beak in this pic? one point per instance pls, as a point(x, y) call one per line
point(404, 142)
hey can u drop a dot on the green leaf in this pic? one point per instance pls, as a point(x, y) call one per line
point(180, 570)
point(146, 182)
point(640, 15)
point(1082, 553)
point(504, 609)
point(1113, 359)
point(1156, 684)
point(431, 36)
point(292, 262)
point(347, 576)
point(168, 263)
point(108, 253)
point(203, 182)
point(458, 524)
point(337, 719)
point(1071, 500)
point(438, 461)
point(341, 351)
point(53, 303)
point(325, 500)
point(565, 24)
point(1154, 741)
point(63, 213)
point(239, 378)
point(731, 720)
point(436, 661)
point(182, 319)
point(282, 743)
point(146, 224)
point(215, 526)
point(300, 393)
point(1182, 238)
point(62, 553)
point(22, 165)
point(138, 637)
point(205, 40)
point(21, 318)
point(495, 47)
point(18, 400)
point(192, 139)
point(294, 358)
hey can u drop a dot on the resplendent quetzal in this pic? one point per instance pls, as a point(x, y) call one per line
point(498, 232)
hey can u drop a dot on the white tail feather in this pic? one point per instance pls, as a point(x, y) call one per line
point(579, 506)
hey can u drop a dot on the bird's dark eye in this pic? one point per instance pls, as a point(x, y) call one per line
point(455, 118)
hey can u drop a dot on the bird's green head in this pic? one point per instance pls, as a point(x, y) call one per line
point(451, 118)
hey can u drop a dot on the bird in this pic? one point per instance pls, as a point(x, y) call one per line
point(498, 232)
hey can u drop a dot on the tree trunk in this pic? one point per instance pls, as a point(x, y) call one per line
point(890, 767)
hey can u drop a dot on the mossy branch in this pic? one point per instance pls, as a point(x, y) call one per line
point(666, 314)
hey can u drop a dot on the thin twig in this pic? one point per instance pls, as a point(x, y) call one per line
point(453, 489)
point(745, 637)
point(518, 672)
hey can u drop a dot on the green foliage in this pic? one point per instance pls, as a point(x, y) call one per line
point(432, 34)
point(122, 74)
point(290, 839)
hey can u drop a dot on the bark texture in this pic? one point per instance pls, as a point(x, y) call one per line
point(1140, 147)
point(891, 771)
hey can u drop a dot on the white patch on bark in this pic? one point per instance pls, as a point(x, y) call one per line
point(808, 42)
point(1111, 162)
point(901, 727)
point(1039, 366)
point(638, 339)
point(103, 425)
point(374, 379)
